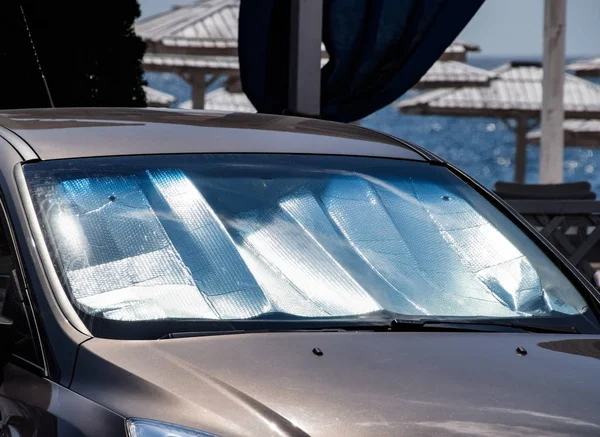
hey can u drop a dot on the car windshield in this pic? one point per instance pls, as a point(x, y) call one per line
point(228, 237)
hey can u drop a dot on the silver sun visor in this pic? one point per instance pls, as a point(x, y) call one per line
point(165, 243)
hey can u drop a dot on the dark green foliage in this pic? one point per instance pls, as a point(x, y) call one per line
point(88, 50)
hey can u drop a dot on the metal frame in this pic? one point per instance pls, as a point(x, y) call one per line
point(32, 322)
point(57, 333)
point(17, 143)
point(58, 290)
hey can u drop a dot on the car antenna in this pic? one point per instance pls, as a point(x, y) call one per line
point(37, 59)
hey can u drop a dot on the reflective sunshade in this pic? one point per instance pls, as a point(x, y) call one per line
point(231, 237)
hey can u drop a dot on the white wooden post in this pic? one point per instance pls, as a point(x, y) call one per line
point(306, 27)
point(553, 114)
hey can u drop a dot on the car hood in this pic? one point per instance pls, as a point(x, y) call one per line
point(363, 384)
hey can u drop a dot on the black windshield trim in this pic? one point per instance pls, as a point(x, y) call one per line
point(378, 322)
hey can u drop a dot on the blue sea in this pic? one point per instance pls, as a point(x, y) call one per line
point(482, 147)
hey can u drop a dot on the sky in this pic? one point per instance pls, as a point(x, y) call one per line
point(503, 27)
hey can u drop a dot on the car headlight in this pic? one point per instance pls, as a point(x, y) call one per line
point(154, 428)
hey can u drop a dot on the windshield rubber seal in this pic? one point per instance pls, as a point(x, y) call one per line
point(57, 290)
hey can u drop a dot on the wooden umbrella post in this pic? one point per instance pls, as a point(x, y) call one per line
point(198, 90)
point(553, 113)
point(521, 129)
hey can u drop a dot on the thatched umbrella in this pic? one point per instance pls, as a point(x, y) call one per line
point(458, 51)
point(231, 98)
point(578, 133)
point(586, 68)
point(514, 96)
point(445, 74)
point(199, 42)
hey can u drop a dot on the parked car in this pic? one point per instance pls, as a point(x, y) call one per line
point(173, 273)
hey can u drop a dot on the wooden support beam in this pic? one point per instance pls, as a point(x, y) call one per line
point(211, 80)
point(520, 126)
point(456, 56)
point(553, 113)
point(198, 90)
point(521, 149)
point(184, 71)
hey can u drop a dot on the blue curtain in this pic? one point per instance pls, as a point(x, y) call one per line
point(378, 50)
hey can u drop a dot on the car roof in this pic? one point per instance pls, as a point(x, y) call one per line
point(93, 132)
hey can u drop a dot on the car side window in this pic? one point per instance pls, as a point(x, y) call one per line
point(15, 305)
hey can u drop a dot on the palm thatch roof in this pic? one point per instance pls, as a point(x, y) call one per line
point(206, 24)
point(515, 92)
point(454, 74)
